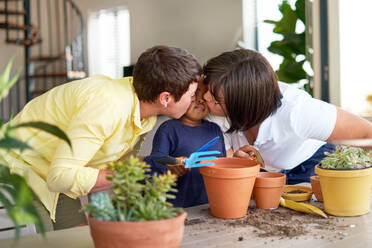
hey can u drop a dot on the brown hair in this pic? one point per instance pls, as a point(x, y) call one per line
point(163, 68)
point(249, 86)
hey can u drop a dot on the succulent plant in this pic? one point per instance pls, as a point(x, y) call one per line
point(101, 207)
point(345, 157)
point(138, 196)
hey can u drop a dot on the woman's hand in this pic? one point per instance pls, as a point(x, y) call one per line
point(245, 151)
point(250, 152)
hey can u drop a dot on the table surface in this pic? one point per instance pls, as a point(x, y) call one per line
point(204, 230)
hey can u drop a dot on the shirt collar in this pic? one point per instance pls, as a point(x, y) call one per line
point(147, 123)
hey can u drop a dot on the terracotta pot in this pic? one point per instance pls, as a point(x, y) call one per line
point(229, 184)
point(315, 185)
point(268, 189)
point(155, 233)
point(346, 192)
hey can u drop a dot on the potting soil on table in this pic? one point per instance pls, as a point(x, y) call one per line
point(281, 222)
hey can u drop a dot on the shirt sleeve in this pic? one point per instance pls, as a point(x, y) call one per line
point(313, 119)
point(161, 146)
point(87, 131)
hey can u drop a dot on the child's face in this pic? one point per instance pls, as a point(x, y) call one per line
point(215, 107)
point(198, 109)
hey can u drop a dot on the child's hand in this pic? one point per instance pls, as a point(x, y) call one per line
point(178, 169)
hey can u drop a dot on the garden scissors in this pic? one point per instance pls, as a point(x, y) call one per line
point(193, 160)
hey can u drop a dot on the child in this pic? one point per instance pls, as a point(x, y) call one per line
point(180, 138)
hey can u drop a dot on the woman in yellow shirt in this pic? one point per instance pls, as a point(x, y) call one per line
point(104, 119)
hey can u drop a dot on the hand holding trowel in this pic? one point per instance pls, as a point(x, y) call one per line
point(180, 164)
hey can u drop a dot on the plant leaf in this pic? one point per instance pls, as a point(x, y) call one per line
point(5, 83)
point(11, 143)
point(52, 129)
point(300, 10)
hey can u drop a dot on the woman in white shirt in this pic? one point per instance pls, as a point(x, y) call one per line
point(289, 127)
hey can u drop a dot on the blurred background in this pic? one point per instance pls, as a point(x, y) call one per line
point(321, 45)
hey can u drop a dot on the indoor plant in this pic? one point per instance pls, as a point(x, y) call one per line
point(268, 189)
point(15, 195)
point(345, 179)
point(292, 47)
point(138, 215)
point(229, 184)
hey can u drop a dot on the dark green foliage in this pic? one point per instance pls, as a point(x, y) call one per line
point(138, 196)
point(15, 195)
point(292, 45)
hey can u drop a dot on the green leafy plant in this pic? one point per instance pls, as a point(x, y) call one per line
point(15, 195)
point(293, 45)
point(345, 157)
point(138, 195)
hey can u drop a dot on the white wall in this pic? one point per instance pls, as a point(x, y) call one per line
point(203, 27)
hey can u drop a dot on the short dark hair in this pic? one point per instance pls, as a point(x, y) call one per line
point(164, 68)
point(249, 86)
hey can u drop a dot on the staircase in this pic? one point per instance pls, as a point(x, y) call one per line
point(52, 34)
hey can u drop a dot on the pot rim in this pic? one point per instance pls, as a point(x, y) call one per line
point(251, 169)
point(343, 169)
point(182, 214)
point(343, 172)
point(278, 180)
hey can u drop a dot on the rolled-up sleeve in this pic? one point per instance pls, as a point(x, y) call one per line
point(87, 131)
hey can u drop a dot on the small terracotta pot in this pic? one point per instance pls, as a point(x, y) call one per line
point(268, 189)
point(229, 184)
point(315, 185)
point(141, 234)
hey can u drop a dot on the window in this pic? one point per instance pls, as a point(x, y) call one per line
point(254, 14)
point(355, 56)
point(108, 42)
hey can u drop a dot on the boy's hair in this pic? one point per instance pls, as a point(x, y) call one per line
point(164, 68)
point(249, 86)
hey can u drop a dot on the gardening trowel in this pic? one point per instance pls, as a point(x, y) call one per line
point(301, 207)
point(193, 160)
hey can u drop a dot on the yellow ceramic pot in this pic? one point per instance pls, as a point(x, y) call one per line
point(346, 192)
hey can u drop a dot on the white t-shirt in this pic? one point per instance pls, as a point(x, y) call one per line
point(293, 133)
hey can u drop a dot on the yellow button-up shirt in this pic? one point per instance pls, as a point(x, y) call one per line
point(101, 116)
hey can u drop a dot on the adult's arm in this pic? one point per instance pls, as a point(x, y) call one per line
point(87, 131)
point(350, 126)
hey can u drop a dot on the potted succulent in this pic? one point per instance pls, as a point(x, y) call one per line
point(345, 179)
point(138, 215)
point(229, 184)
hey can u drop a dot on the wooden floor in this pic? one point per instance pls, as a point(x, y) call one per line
point(203, 230)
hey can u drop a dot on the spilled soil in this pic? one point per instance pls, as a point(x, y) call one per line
point(285, 224)
point(280, 223)
point(297, 191)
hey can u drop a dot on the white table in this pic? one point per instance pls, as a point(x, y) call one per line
point(203, 230)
